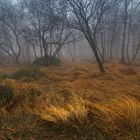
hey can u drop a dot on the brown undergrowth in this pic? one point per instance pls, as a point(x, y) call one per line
point(71, 102)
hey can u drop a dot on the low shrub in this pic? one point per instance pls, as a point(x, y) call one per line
point(51, 60)
point(26, 73)
point(3, 76)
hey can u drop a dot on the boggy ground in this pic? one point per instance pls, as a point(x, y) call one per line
point(70, 102)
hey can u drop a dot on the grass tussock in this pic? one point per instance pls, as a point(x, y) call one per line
point(116, 118)
point(6, 95)
point(75, 110)
point(120, 117)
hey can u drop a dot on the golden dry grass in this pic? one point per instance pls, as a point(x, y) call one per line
point(74, 101)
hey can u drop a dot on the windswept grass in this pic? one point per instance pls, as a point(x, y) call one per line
point(71, 104)
point(120, 117)
point(75, 110)
point(117, 118)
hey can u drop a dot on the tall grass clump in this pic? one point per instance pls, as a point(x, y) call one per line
point(6, 95)
point(75, 110)
point(72, 116)
point(120, 117)
point(108, 119)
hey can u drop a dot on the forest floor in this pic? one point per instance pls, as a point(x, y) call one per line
point(70, 102)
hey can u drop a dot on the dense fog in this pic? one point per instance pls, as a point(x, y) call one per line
point(101, 30)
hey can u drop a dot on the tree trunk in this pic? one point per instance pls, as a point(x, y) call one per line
point(98, 59)
point(124, 30)
point(123, 45)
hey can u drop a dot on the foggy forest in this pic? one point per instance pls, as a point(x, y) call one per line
point(69, 69)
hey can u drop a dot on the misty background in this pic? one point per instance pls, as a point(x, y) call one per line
point(69, 30)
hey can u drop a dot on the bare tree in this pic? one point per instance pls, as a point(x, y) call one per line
point(11, 19)
point(126, 4)
point(45, 19)
point(87, 16)
point(130, 20)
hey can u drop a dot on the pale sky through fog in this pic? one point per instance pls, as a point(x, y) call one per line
point(14, 1)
